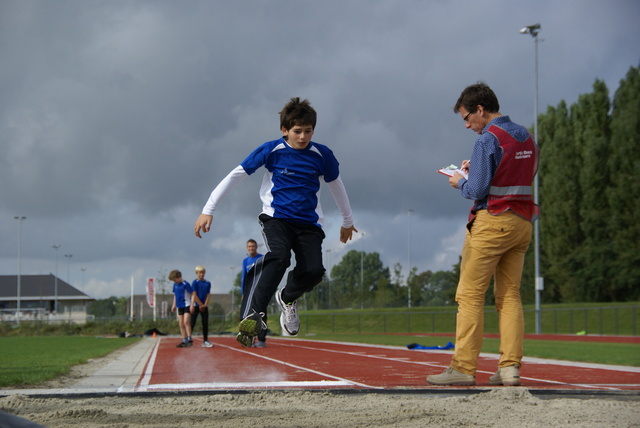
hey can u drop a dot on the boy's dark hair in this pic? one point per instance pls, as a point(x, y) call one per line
point(174, 274)
point(252, 241)
point(479, 94)
point(297, 113)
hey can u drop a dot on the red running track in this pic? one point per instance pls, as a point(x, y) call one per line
point(297, 363)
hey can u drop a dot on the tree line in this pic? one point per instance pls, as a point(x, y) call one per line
point(590, 195)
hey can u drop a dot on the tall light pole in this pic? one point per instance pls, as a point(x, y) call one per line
point(409, 274)
point(329, 275)
point(533, 30)
point(233, 292)
point(68, 257)
point(83, 271)
point(362, 272)
point(20, 220)
point(55, 283)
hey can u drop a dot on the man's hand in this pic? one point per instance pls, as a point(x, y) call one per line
point(202, 223)
point(346, 233)
point(453, 180)
point(465, 166)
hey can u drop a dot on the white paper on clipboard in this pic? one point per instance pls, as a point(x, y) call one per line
point(452, 169)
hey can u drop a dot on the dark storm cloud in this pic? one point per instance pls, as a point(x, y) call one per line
point(119, 117)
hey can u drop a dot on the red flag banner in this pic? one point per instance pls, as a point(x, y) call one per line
point(150, 292)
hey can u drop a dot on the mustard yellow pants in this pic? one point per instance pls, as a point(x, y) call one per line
point(493, 246)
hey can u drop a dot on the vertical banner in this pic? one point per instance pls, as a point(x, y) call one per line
point(150, 293)
point(165, 308)
point(132, 313)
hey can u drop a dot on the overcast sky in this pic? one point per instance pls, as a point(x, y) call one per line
point(118, 118)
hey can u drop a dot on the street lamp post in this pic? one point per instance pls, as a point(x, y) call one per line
point(55, 282)
point(362, 272)
point(329, 276)
point(233, 292)
point(533, 30)
point(68, 257)
point(20, 220)
point(409, 274)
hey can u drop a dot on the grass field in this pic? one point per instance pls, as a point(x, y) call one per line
point(592, 352)
point(32, 360)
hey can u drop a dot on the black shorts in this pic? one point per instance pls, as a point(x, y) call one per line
point(182, 311)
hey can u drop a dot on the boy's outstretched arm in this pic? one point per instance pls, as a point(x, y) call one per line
point(346, 233)
point(202, 223)
point(204, 220)
point(339, 194)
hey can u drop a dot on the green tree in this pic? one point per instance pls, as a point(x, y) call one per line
point(442, 288)
point(355, 278)
point(560, 195)
point(104, 308)
point(236, 296)
point(420, 287)
point(624, 192)
point(591, 130)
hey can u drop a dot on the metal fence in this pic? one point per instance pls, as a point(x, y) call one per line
point(605, 320)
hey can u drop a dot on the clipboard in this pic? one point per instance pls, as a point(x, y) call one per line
point(452, 169)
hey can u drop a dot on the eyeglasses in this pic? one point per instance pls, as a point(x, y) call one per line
point(467, 116)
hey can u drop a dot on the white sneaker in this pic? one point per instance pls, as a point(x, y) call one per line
point(207, 344)
point(289, 320)
point(507, 376)
point(451, 376)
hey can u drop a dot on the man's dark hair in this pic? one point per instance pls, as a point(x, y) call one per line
point(479, 94)
point(297, 113)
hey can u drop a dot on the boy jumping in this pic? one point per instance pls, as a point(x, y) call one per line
point(291, 217)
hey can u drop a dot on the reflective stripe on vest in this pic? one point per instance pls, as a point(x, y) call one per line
point(511, 190)
point(511, 185)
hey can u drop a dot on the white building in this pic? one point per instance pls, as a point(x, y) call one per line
point(38, 297)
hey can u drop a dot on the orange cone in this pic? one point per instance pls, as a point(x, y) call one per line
point(154, 335)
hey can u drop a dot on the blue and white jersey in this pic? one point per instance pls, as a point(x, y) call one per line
point(202, 289)
point(291, 186)
point(182, 292)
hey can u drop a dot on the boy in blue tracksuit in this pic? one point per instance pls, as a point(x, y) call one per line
point(291, 217)
point(202, 288)
point(183, 300)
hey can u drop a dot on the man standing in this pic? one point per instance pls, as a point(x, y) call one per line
point(251, 271)
point(501, 170)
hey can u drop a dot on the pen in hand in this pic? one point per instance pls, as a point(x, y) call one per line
point(465, 166)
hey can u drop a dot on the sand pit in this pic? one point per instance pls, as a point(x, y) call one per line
point(512, 407)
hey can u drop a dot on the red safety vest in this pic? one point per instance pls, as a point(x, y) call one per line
point(511, 187)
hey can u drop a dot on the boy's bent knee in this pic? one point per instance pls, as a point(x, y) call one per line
point(310, 279)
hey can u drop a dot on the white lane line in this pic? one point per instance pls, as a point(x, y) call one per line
point(145, 386)
point(144, 383)
point(403, 360)
point(248, 385)
point(347, 381)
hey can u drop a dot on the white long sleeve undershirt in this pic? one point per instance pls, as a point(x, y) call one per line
point(339, 194)
point(229, 182)
point(238, 174)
